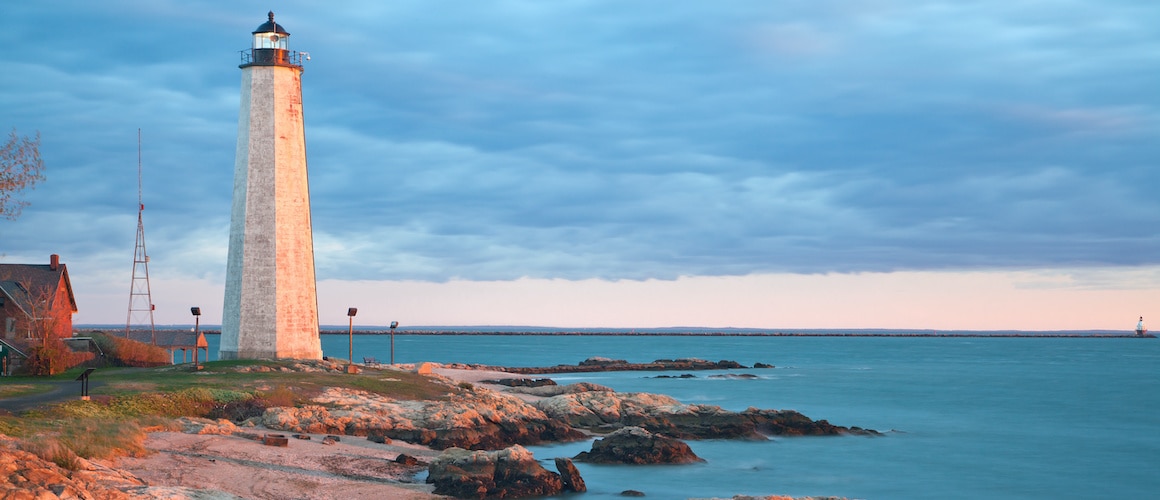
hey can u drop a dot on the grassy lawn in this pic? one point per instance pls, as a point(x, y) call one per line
point(223, 375)
point(126, 401)
point(16, 387)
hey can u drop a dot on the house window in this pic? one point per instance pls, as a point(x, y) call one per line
point(10, 325)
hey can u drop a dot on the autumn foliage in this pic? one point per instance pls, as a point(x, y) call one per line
point(53, 357)
point(120, 351)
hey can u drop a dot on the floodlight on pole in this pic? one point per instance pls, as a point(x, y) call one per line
point(196, 311)
point(394, 324)
point(350, 312)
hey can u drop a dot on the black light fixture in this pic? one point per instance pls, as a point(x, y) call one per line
point(394, 324)
point(350, 312)
point(196, 311)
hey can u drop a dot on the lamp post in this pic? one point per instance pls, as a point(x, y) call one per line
point(350, 312)
point(196, 311)
point(394, 324)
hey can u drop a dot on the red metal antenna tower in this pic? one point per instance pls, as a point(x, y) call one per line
point(140, 298)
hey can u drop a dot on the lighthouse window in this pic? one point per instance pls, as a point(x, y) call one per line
point(269, 41)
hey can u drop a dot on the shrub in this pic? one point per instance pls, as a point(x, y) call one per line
point(51, 449)
point(121, 351)
point(52, 357)
point(104, 438)
point(239, 410)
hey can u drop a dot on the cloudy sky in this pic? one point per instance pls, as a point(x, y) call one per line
point(934, 164)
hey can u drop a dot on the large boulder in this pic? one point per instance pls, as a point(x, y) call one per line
point(570, 475)
point(633, 445)
point(475, 419)
point(509, 473)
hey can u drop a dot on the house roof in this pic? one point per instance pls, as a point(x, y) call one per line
point(14, 291)
point(13, 348)
point(22, 283)
point(170, 339)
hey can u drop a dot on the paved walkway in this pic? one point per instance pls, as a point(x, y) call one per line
point(63, 390)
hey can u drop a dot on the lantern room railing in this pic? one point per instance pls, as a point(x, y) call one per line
point(272, 57)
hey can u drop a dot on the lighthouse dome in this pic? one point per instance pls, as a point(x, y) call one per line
point(270, 26)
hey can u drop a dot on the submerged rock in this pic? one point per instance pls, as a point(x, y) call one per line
point(633, 445)
point(508, 473)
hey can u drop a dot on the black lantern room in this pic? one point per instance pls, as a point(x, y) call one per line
point(270, 35)
point(269, 46)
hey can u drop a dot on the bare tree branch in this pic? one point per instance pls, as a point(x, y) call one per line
point(20, 168)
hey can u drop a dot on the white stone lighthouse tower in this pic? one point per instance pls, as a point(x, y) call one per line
point(271, 305)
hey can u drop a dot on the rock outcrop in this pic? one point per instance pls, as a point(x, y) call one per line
point(656, 413)
point(476, 419)
point(570, 475)
point(633, 445)
point(26, 475)
point(521, 382)
point(195, 425)
point(599, 364)
point(556, 390)
point(509, 473)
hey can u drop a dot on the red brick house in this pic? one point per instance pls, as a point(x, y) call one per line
point(35, 300)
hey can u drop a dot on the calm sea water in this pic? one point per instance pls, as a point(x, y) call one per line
point(970, 417)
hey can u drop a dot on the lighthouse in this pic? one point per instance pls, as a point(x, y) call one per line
point(271, 302)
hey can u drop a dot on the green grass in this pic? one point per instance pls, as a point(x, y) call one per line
point(19, 388)
point(129, 400)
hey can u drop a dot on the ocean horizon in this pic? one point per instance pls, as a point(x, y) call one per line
point(211, 329)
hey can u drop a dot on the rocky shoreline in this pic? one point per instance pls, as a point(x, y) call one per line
point(481, 427)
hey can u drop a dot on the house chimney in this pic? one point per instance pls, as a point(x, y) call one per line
point(54, 262)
